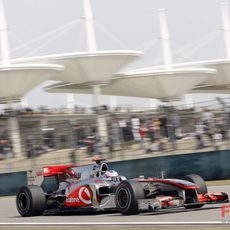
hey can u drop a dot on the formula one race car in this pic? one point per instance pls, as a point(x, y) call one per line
point(95, 187)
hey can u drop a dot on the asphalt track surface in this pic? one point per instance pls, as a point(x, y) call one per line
point(208, 213)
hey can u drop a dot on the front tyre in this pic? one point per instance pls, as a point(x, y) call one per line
point(199, 181)
point(127, 194)
point(30, 201)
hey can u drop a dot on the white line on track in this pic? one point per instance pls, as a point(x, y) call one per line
point(116, 223)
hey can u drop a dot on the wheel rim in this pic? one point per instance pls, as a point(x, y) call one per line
point(123, 198)
point(22, 201)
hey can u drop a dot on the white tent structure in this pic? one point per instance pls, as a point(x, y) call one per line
point(212, 89)
point(223, 71)
point(91, 66)
point(220, 83)
point(17, 80)
point(94, 67)
point(18, 77)
point(167, 83)
point(162, 84)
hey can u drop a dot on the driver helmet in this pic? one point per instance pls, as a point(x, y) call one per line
point(111, 173)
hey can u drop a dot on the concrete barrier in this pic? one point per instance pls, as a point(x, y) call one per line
point(10, 182)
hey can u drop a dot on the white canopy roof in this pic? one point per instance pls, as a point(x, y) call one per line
point(18, 79)
point(88, 66)
point(220, 84)
point(212, 89)
point(222, 67)
point(223, 72)
point(160, 84)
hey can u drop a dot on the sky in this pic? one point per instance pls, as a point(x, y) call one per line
point(40, 27)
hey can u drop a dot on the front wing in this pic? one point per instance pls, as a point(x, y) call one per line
point(164, 202)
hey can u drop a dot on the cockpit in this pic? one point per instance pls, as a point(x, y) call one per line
point(99, 170)
point(90, 171)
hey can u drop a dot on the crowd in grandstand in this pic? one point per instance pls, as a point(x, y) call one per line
point(162, 131)
point(208, 129)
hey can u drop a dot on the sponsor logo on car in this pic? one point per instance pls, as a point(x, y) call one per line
point(84, 195)
point(72, 200)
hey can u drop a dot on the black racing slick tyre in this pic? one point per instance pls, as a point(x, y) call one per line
point(30, 201)
point(127, 194)
point(198, 180)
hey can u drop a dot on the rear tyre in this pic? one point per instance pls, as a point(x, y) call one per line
point(198, 180)
point(127, 194)
point(30, 201)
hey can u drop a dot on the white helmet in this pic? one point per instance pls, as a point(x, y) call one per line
point(111, 173)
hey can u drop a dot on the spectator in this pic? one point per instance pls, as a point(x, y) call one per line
point(142, 133)
point(115, 134)
point(163, 125)
point(135, 129)
point(199, 131)
point(98, 147)
point(72, 157)
point(151, 130)
point(217, 137)
point(172, 129)
point(207, 119)
point(221, 127)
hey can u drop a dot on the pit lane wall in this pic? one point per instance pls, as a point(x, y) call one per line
point(212, 165)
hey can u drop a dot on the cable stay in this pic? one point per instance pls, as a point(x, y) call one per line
point(59, 31)
point(195, 46)
point(111, 36)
